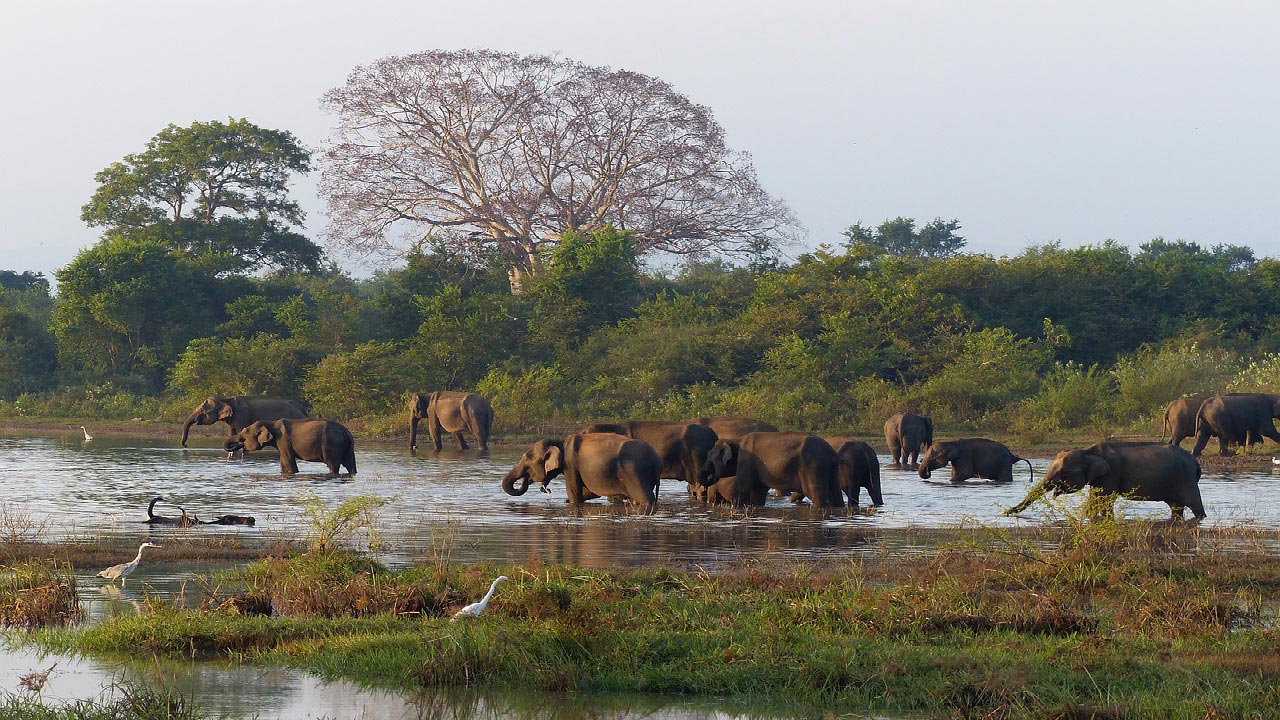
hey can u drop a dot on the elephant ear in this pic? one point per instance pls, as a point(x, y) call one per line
point(225, 411)
point(1095, 467)
point(263, 434)
point(554, 463)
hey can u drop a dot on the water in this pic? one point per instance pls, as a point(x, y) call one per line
point(451, 504)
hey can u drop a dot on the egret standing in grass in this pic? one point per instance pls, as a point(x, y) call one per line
point(474, 609)
point(123, 569)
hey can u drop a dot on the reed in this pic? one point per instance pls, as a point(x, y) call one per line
point(37, 593)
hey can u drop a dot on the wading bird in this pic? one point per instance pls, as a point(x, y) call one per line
point(87, 436)
point(123, 569)
point(474, 609)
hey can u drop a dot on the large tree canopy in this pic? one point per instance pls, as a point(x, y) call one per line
point(217, 192)
point(509, 151)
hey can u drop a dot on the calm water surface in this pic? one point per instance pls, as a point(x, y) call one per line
point(451, 504)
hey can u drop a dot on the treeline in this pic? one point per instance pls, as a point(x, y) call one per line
point(839, 339)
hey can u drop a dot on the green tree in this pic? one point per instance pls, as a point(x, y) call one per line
point(216, 191)
point(127, 309)
point(900, 237)
point(28, 356)
point(592, 280)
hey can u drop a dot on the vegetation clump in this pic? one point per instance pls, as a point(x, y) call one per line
point(126, 700)
point(1113, 620)
point(36, 593)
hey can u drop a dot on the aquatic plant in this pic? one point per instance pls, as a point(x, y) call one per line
point(38, 592)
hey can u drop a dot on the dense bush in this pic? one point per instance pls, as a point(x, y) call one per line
point(1048, 340)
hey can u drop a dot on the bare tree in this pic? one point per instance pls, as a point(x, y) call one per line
point(510, 151)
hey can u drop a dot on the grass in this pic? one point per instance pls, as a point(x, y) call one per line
point(1119, 620)
point(126, 700)
point(36, 593)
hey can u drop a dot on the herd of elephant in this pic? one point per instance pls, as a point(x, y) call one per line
point(739, 460)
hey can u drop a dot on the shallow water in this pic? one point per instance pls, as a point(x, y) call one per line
point(450, 504)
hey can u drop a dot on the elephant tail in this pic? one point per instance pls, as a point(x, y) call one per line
point(1030, 470)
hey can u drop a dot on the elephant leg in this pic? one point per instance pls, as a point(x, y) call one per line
point(462, 442)
point(1176, 512)
point(288, 463)
point(796, 497)
point(1005, 475)
point(349, 460)
point(574, 488)
point(895, 452)
point(1224, 448)
point(1202, 439)
point(437, 436)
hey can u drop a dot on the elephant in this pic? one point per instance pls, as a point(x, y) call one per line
point(860, 468)
point(972, 458)
point(733, 428)
point(1139, 470)
point(1180, 418)
point(450, 411)
point(682, 447)
point(594, 465)
point(241, 411)
point(742, 472)
point(1236, 418)
point(323, 441)
point(905, 433)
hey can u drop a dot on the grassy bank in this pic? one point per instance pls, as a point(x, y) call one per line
point(1121, 620)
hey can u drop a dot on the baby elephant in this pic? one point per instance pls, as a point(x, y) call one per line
point(972, 458)
point(323, 441)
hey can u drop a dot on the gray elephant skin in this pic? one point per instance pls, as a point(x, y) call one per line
point(727, 427)
point(241, 411)
point(323, 441)
point(972, 458)
point(1236, 418)
point(742, 472)
point(1180, 418)
point(594, 465)
point(683, 447)
point(905, 434)
point(859, 468)
point(1138, 470)
point(451, 411)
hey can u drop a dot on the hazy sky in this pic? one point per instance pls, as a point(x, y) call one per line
point(1027, 121)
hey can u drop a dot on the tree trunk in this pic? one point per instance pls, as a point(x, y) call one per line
point(525, 265)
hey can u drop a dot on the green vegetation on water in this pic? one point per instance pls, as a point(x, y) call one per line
point(1116, 622)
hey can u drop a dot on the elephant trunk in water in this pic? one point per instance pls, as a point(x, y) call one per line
point(186, 427)
point(509, 483)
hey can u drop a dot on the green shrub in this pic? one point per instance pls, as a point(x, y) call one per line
point(522, 400)
point(1148, 379)
point(1071, 396)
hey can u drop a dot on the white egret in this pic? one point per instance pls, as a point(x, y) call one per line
point(123, 569)
point(474, 609)
point(87, 436)
point(1275, 461)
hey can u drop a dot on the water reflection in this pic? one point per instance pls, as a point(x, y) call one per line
point(240, 691)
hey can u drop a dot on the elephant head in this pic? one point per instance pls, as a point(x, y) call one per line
point(540, 463)
point(721, 462)
point(1072, 470)
point(255, 437)
point(214, 409)
point(937, 456)
point(419, 405)
point(1069, 472)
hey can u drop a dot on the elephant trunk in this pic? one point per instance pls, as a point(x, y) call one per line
point(925, 471)
point(1032, 495)
point(186, 427)
point(509, 483)
point(873, 490)
point(413, 430)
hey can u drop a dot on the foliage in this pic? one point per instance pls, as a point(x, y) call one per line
point(1153, 376)
point(334, 528)
point(35, 593)
point(1261, 375)
point(1070, 397)
point(522, 400)
point(260, 365)
point(899, 236)
point(216, 192)
point(369, 379)
point(127, 309)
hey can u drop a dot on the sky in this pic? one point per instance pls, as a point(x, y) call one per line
point(1029, 121)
